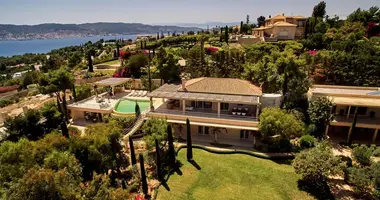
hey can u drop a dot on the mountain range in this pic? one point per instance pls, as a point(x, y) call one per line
point(51, 31)
point(205, 25)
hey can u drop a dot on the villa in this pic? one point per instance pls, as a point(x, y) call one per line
point(281, 27)
point(346, 99)
point(223, 110)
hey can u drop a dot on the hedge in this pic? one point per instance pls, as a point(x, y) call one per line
point(238, 151)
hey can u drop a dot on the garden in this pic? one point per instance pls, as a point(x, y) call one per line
point(231, 177)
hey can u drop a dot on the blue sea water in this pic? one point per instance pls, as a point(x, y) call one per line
point(10, 48)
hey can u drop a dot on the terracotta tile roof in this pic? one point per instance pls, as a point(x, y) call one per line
point(221, 86)
point(283, 24)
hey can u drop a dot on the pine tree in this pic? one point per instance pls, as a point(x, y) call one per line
point(189, 143)
point(74, 92)
point(158, 161)
point(171, 146)
point(144, 182)
point(64, 105)
point(64, 129)
point(132, 149)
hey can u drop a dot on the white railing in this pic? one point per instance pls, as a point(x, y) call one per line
point(205, 114)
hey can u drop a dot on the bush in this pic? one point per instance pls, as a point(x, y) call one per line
point(376, 153)
point(307, 141)
point(361, 180)
point(362, 154)
point(280, 145)
point(348, 162)
point(5, 102)
point(74, 131)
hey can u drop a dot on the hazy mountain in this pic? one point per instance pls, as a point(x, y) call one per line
point(47, 31)
point(204, 25)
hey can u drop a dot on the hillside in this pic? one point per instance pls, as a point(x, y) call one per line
point(50, 31)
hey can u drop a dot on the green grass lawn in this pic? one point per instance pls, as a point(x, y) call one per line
point(112, 62)
point(231, 177)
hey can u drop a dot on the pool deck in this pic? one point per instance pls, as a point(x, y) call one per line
point(107, 105)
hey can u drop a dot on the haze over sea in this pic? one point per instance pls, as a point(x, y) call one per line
point(10, 48)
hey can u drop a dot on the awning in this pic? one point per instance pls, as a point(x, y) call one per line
point(193, 96)
point(215, 125)
point(112, 81)
point(356, 101)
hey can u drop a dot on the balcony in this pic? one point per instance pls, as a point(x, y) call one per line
point(362, 121)
point(204, 116)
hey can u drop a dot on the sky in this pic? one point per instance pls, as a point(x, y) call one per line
point(163, 11)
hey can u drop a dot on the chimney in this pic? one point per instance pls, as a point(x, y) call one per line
point(183, 83)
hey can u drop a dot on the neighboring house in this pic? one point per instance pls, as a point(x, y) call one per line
point(346, 99)
point(247, 39)
point(230, 105)
point(281, 27)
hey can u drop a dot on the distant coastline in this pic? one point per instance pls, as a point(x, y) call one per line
point(19, 47)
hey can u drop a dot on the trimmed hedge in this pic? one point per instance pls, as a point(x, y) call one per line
point(237, 151)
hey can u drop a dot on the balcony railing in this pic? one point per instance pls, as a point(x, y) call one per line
point(364, 120)
point(204, 114)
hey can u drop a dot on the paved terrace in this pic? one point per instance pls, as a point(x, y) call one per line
point(104, 107)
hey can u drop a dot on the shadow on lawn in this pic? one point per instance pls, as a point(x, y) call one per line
point(318, 189)
point(195, 164)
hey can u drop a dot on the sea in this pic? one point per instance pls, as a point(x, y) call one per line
point(15, 47)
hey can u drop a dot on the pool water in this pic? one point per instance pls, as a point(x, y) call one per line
point(128, 106)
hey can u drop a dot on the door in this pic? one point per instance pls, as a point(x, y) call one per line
point(244, 134)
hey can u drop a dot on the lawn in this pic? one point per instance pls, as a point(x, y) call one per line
point(231, 177)
point(112, 62)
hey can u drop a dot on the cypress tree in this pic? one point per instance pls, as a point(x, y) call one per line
point(158, 161)
point(132, 149)
point(171, 146)
point(189, 143)
point(221, 33)
point(144, 182)
point(89, 60)
point(241, 27)
point(137, 110)
point(141, 44)
point(226, 37)
point(158, 36)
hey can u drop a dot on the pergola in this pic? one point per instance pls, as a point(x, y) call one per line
point(112, 82)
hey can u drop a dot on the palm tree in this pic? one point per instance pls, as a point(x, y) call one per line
point(216, 130)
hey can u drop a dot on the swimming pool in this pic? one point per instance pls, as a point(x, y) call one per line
point(128, 105)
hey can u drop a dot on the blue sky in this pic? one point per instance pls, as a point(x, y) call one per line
point(162, 11)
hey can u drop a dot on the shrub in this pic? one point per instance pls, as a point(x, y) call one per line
point(5, 102)
point(376, 153)
point(307, 141)
point(348, 162)
point(74, 131)
point(362, 154)
point(280, 145)
point(360, 179)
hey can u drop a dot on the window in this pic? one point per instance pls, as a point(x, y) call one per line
point(203, 130)
point(207, 105)
point(301, 23)
point(202, 104)
point(244, 134)
point(284, 33)
point(224, 106)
